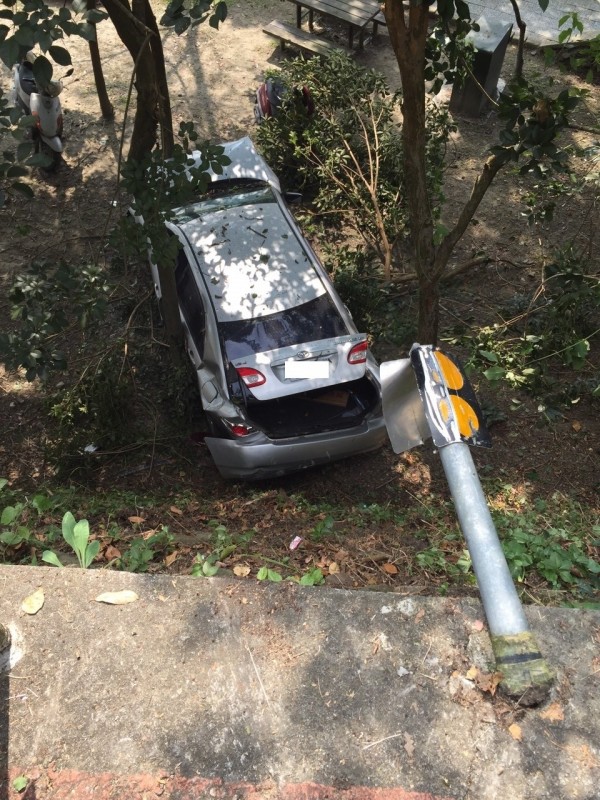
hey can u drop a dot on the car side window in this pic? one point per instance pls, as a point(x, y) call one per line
point(190, 301)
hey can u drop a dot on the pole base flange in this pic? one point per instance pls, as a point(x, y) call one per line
point(526, 675)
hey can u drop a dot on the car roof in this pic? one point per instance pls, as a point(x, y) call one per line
point(252, 261)
point(246, 162)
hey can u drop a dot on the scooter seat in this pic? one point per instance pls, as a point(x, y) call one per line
point(26, 79)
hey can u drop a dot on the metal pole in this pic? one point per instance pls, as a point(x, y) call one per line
point(525, 674)
point(501, 603)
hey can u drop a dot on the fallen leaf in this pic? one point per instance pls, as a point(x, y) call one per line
point(583, 754)
point(175, 510)
point(554, 713)
point(118, 598)
point(334, 568)
point(241, 570)
point(516, 732)
point(169, 559)
point(147, 534)
point(391, 569)
point(136, 520)
point(419, 615)
point(409, 745)
point(488, 681)
point(112, 552)
point(576, 426)
point(33, 603)
point(472, 673)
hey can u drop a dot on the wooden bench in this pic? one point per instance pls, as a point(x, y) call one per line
point(288, 34)
point(357, 14)
point(378, 19)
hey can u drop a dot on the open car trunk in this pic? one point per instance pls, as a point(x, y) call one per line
point(332, 408)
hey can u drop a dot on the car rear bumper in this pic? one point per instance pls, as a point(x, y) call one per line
point(266, 458)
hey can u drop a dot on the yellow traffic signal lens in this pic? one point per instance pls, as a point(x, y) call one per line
point(467, 420)
point(452, 375)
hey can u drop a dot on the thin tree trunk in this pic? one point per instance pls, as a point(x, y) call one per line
point(408, 35)
point(134, 34)
point(522, 28)
point(106, 108)
point(165, 117)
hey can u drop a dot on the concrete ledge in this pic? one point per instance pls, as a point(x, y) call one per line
point(219, 688)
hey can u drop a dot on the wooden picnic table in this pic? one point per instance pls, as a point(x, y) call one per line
point(357, 14)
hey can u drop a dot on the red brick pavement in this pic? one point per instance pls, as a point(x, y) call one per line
point(69, 784)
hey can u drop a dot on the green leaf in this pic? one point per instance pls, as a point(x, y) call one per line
point(489, 356)
point(23, 150)
point(262, 574)
point(91, 551)
point(39, 160)
point(17, 171)
point(544, 4)
point(20, 783)
point(42, 71)
point(68, 524)
point(10, 51)
point(494, 373)
point(51, 558)
point(95, 16)
point(8, 515)
point(60, 55)
point(81, 535)
point(3, 482)
point(87, 31)
point(274, 576)
point(208, 569)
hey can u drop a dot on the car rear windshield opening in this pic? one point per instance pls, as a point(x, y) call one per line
point(309, 322)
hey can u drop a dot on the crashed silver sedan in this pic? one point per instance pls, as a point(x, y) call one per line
point(286, 380)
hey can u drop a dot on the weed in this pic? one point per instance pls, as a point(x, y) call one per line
point(314, 577)
point(268, 574)
point(205, 566)
point(322, 529)
point(142, 552)
point(16, 526)
point(554, 326)
point(76, 535)
point(558, 555)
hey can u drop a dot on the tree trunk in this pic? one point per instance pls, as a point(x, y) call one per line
point(429, 311)
point(170, 312)
point(136, 37)
point(106, 108)
point(165, 116)
point(522, 28)
point(408, 35)
point(137, 29)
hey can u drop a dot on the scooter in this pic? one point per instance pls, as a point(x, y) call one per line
point(44, 106)
point(271, 94)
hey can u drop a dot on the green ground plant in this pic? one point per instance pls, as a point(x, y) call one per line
point(545, 333)
point(347, 155)
point(77, 536)
point(551, 546)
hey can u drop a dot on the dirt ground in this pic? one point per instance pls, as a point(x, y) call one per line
point(213, 76)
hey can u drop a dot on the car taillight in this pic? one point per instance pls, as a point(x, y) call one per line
point(238, 428)
point(358, 354)
point(241, 430)
point(251, 377)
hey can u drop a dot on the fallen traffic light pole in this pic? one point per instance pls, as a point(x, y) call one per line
point(429, 395)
